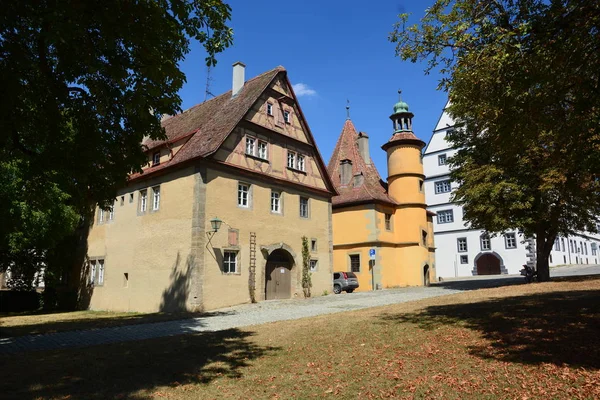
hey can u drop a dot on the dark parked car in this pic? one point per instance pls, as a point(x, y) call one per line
point(344, 281)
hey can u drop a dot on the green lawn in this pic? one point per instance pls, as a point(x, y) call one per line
point(537, 341)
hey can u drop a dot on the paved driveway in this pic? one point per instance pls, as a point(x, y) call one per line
point(264, 312)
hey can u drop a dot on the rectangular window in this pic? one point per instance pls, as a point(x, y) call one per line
point(485, 242)
point(445, 216)
point(291, 159)
point(304, 207)
point(313, 265)
point(464, 259)
point(100, 272)
point(355, 263)
point(442, 159)
point(269, 109)
point(100, 215)
point(155, 198)
point(262, 149)
point(122, 200)
point(156, 158)
point(276, 202)
point(420, 186)
point(313, 245)
point(286, 117)
point(111, 213)
point(562, 244)
point(243, 195)
point(92, 271)
point(143, 200)
point(250, 146)
point(230, 262)
point(300, 166)
point(388, 222)
point(462, 244)
point(131, 197)
point(510, 240)
point(424, 238)
point(557, 244)
point(443, 186)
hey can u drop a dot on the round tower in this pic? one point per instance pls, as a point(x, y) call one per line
point(405, 165)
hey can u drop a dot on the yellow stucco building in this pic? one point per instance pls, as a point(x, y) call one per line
point(382, 231)
point(245, 160)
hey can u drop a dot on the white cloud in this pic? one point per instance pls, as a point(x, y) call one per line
point(301, 89)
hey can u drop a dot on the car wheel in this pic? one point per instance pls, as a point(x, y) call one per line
point(350, 290)
point(337, 289)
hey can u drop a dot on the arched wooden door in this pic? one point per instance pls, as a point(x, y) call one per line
point(488, 264)
point(278, 276)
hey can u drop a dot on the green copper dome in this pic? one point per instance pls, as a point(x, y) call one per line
point(400, 107)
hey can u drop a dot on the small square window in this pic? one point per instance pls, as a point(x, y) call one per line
point(286, 117)
point(388, 222)
point(300, 166)
point(510, 240)
point(462, 245)
point(230, 262)
point(442, 159)
point(313, 265)
point(355, 263)
point(156, 158)
point(464, 259)
point(262, 149)
point(304, 207)
point(243, 195)
point(313, 245)
point(269, 108)
point(276, 202)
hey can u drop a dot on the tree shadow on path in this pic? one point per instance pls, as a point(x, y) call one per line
point(558, 327)
point(131, 370)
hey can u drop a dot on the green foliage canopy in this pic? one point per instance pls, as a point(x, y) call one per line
point(523, 84)
point(83, 83)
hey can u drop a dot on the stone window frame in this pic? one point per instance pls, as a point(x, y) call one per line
point(94, 278)
point(508, 238)
point(156, 158)
point(307, 216)
point(315, 262)
point(280, 212)
point(442, 159)
point(238, 269)
point(483, 238)
point(459, 242)
point(443, 186)
point(270, 109)
point(249, 195)
point(142, 210)
point(354, 254)
point(314, 245)
point(388, 222)
point(154, 197)
point(464, 258)
point(446, 213)
point(287, 116)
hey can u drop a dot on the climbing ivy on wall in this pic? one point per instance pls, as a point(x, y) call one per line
point(306, 279)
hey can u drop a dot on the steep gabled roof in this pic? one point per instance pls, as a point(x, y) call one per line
point(372, 189)
point(207, 125)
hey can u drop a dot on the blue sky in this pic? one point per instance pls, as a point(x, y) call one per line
point(337, 49)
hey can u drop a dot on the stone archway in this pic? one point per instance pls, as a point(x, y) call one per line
point(278, 274)
point(489, 263)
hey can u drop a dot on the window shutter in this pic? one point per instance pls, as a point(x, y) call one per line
point(233, 237)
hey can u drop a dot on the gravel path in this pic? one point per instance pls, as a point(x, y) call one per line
point(260, 313)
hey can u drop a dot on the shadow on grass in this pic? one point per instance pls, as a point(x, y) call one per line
point(557, 327)
point(123, 370)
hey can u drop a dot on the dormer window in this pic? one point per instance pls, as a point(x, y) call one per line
point(269, 109)
point(286, 117)
point(156, 158)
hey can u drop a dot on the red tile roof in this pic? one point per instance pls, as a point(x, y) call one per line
point(373, 189)
point(208, 124)
point(403, 138)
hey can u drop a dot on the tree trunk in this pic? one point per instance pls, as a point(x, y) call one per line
point(543, 248)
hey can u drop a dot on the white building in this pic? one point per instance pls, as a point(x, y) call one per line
point(466, 252)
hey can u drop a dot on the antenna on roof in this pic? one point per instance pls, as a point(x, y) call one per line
point(207, 92)
point(347, 109)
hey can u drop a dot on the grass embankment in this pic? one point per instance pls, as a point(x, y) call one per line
point(519, 342)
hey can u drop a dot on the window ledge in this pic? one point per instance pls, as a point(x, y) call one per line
point(297, 170)
point(257, 158)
